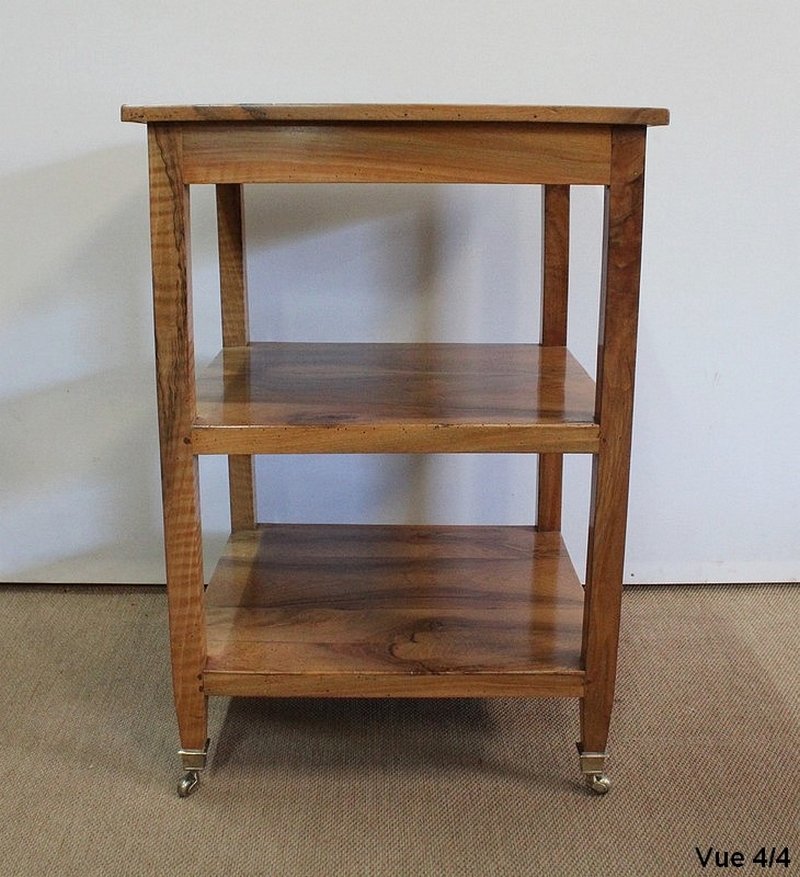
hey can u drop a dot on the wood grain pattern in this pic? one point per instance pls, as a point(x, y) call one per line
point(232, 266)
point(396, 113)
point(235, 333)
point(371, 610)
point(381, 152)
point(555, 286)
point(169, 226)
point(242, 490)
point(555, 264)
point(504, 683)
point(615, 383)
point(404, 398)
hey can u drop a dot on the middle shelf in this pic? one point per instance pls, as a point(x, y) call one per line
point(302, 397)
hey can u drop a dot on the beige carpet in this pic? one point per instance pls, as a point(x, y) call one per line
point(705, 746)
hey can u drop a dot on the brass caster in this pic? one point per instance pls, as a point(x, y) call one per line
point(193, 761)
point(593, 768)
point(599, 783)
point(188, 783)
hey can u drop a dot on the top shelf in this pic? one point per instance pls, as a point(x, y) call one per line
point(396, 113)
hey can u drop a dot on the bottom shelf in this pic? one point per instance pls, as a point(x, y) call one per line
point(394, 611)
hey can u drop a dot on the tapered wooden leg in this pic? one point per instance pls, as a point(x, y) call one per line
point(555, 284)
point(614, 408)
point(169, 221)
point(235, 333)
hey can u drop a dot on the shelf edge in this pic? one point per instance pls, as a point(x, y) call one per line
point(570, 438)
point(547, 683)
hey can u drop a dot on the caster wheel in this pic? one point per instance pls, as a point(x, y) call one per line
point(188, 783)
point(599, 783)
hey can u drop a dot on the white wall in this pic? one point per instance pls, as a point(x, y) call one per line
point(715, 481)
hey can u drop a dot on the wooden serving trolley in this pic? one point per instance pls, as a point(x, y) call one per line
point(394, 611)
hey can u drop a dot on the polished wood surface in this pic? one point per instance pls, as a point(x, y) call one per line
point(235, 333)
point(395, 113)
point(337, 398)
point(175, 382)
point(555, 286)
point(379, 152)
point(616, 361)
point(346, 610)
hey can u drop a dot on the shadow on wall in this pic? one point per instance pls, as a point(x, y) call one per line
point(79, 453)
point(391, 263)
point(395, 263)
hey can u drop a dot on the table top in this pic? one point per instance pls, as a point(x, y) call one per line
point(395, 113)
